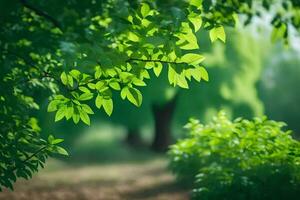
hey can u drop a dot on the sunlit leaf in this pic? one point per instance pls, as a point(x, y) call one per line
point(108, 106)
point(191, 58)
point(87, 109)
point(52, 106)
point(115, 85)
point(64, 78)
point(157, 69)
point(204, 74)
point(99, 101)
point(217, 33)
point(196, 21)
point(61, 112)
point(84, 117)
point(145, 9)
point(61, 151)
point(85, 96)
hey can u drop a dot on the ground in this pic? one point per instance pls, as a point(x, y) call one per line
point(144, 180)
point(101, 167)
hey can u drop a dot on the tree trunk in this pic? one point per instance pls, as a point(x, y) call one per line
point(133, 138)
point(163, 119)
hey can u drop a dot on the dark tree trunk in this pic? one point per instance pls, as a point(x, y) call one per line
point(133, 137)
point(163, 118)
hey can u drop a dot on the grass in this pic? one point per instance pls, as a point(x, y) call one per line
point(132, 181)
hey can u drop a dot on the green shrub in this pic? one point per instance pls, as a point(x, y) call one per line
point(244, 159)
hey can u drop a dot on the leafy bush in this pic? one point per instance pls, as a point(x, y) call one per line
point(244, 159)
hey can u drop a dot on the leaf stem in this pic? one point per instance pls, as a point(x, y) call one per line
point(30, 157)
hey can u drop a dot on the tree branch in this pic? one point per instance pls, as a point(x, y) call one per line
point(41, 13)
point(150, 60)
point(30, 157)
point(43, 73)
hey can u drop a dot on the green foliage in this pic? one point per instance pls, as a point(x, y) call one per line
point(151, 38)
point(244, 159)
point(22, 148)
point(134, 40)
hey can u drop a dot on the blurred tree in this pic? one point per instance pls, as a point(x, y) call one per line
point(280, 95)
point(234, 70)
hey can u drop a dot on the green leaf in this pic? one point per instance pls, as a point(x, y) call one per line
point(134, 96)
point(60, 97)
point(69, 112)
point(99, 85)
point(133, 37)
point(204, 74)
point(115, 85)
point(92, 86)
point(75, 74)
point(70, 80)
point(196, 21)
point(108, 106)
point(196, 3)
point(87, 109)
point(52, 106)
point(76, 102)
point(145, 74)
point(187, 40)
point(84, 117)
point(145, 9)
point(85, 96)
point(57, 141)
point(192, 58)
point(76, 118)
point(217, 33)
point(61, 151)
point(171, 75)
point(84, 89)
point(196, 74)
point(50, 139)
point(181, 81)
point(99, 101)
point(126, 76)
point(60, 113)
point(157, 69)
point(138, 82)
point(98, 72)
point(64, 78)
point(124, 93)
point(278, 32)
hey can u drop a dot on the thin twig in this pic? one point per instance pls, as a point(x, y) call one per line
point(44, 73)
point(33, 155)
point(150, 60)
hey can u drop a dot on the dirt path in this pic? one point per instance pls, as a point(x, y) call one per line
point(143, 181)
